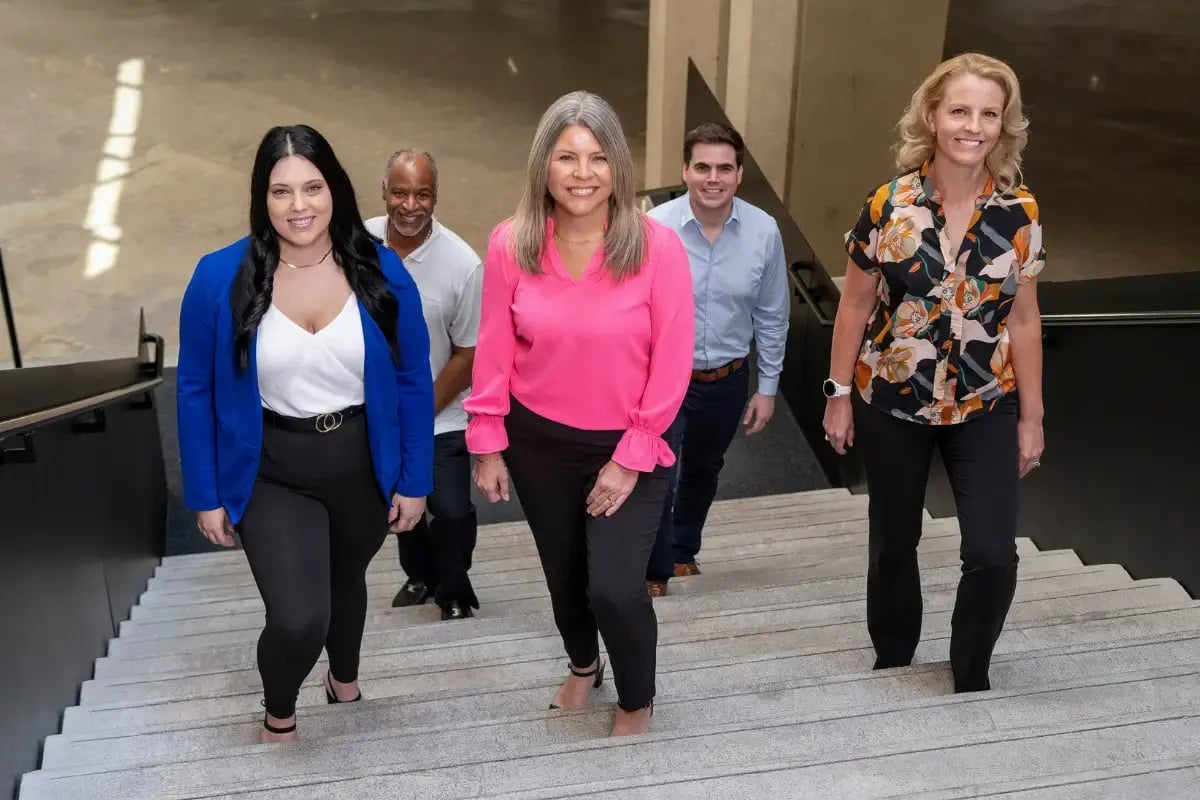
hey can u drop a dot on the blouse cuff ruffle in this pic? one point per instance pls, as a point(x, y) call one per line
point(486, 434)
point(643, 451)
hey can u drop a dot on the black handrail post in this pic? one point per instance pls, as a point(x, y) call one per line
point(8, 315)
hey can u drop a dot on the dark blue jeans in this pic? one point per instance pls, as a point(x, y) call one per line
point(702, 433)
point(438, 553)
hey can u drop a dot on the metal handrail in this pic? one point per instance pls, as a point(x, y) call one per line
point(9, 320)
point(75, 408)
point(1122, 318)
point(1095, 319)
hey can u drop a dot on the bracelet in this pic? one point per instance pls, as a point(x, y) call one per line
point(496, 460)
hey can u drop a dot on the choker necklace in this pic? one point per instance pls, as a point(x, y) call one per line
point(578, 241)
point(306, 266)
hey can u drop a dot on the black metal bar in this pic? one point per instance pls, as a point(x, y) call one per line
point(22, 454)
point(8, 315)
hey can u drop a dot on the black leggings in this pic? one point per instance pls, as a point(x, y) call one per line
point(595, 566)
point(314, 522)
point(982, 462)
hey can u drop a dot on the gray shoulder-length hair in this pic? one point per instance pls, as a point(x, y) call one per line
point(625, 239)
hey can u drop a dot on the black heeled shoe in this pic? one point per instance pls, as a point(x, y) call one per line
point(330, 697)
point(597, 670)
point(269, 728)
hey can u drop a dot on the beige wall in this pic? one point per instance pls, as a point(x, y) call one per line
point(761, 81)
point(680, 29)
point(853, 82)
point(815, 86)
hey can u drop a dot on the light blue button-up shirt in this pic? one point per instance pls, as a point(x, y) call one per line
point(740, 286)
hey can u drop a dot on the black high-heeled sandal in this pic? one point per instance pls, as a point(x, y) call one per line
point(271, 728)
point(330, 697)
point(597, 670)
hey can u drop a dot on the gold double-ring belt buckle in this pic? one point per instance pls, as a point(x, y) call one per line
point(329, 422)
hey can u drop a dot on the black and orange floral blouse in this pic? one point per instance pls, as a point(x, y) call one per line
point(937, 349)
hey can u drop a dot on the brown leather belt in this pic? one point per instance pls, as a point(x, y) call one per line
point(710, 375)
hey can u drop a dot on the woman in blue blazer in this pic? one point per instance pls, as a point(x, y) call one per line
point(305, 411)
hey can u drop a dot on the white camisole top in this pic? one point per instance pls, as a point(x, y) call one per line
point(302, 374)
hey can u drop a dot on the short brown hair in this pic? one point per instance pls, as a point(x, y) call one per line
point(713, 133)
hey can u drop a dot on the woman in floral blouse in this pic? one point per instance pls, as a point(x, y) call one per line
point(941, 279)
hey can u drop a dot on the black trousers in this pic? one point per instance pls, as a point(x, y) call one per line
point(705, 427)
point(982, 462)
point(314, 522)
point(438, 553)
point(595, 567)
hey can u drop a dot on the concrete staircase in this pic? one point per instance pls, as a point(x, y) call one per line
point(764, 686)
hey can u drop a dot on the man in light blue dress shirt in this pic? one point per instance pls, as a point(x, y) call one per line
point(740, 283)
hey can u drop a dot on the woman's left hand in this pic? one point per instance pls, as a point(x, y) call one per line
point(405, 513)
point(1030, 444)
point(613, 485)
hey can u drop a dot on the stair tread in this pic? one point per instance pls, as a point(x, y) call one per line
point(1165, 698)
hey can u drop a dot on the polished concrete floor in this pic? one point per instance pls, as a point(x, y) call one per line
point(129, 127)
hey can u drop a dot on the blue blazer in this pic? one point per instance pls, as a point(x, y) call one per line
point(220, 408)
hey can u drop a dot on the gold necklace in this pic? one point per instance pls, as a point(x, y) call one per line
point(306, 266)
point(579, 241)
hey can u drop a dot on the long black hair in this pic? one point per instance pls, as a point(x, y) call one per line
point(353, 248)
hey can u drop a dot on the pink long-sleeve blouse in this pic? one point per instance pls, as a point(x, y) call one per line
point(592, 354)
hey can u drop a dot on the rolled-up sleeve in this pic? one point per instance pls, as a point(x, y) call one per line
point(672, 326)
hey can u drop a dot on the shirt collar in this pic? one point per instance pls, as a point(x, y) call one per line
point(690, 216)
point(422, 251)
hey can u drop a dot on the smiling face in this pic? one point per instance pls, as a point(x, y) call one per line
point(968, 121)
point(579, 178)
point(410, 195)
point(299, 203)
point(712, 176)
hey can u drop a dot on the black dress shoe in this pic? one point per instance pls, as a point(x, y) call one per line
point(456, 610)
point(412, 593)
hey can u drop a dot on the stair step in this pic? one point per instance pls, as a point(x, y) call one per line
point(521, 599)
point(775, 571)
point(706, 615)
point(1170, 779)
point(721, 509)
point(420, 628)
point(1011, 670)
point(941, 536)
point(1163, 706)
point(828, 530)
point(727, 637)
point(824, 561)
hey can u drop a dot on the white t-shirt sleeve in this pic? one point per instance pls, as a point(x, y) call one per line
point(464, 327)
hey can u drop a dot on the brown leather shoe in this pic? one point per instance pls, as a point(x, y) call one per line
point(684, 570)
point(656, 588)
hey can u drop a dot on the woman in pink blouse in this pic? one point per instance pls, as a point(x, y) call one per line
point(583, 358)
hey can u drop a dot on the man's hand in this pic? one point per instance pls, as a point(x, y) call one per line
point(758, 413)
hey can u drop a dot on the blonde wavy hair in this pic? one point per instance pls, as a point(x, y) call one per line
point(625, 239)
point(917, 141)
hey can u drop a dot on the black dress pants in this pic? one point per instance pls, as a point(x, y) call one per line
point(438, 553)
point(595, 567)
point(315, 520)
point(982, 462)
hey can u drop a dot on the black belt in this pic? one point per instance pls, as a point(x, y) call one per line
point(322, 423)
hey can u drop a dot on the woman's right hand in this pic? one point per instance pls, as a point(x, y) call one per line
point(215, 526)
point(839, 424)
point(491, 476)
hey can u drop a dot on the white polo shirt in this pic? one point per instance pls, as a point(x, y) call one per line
point(449, 276)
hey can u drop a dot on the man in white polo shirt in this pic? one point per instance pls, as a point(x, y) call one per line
point(436, 556)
